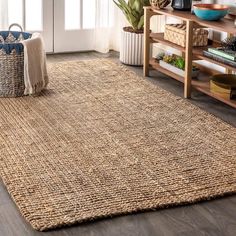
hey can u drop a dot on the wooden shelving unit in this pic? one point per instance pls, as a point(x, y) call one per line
point(202, 84)
point(159, 38)
point(155, 65)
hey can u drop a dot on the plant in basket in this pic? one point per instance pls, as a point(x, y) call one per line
point(131, 50)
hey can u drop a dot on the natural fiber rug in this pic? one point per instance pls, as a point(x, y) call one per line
point(103, 142)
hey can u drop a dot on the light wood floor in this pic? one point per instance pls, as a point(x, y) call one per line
point(213, 218)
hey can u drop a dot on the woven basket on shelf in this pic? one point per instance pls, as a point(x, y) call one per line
point(12, 62)
point(176, 33)
point(159, 4)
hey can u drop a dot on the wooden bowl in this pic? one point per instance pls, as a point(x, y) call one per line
point(227, 81)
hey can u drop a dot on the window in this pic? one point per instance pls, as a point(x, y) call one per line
point(72, 14)
point(85, 14)
point(15, 12)
point(33, 20)
point(33, 15)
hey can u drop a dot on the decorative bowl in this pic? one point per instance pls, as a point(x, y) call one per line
point(210, 12)
point(227, 81)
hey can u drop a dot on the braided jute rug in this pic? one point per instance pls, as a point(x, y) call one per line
point(102, 141)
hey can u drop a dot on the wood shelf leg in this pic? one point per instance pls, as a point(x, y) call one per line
point(227, 70)
point(147, 16)
point(188, 59)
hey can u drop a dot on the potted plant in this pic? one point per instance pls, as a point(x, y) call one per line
point(131, 51)
point(175, 64)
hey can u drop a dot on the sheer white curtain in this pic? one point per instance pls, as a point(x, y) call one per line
point(109, 22)
point(108, 25)
point(3, 14)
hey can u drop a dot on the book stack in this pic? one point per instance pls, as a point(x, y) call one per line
point(224, 86)
point(227, 57)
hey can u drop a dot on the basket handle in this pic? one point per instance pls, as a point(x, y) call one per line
point(15, 24)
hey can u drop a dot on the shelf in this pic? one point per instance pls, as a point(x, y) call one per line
point(155, 65)
point(159, 38)
point(201, 84)
point(204, 87)
point(197, 51)
point(223, 25)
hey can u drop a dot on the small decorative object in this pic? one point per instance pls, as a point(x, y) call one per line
point(159, 4)
point(210, 12)
point(229, 44)
point(176, 64)
point(176, 33)
point(160, 56)
point(232, 9)
point(224, 85)
point(182, 5)
point(226, 53)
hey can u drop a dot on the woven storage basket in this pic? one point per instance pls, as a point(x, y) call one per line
point(176, 33)
point(159, 4)
point(12, 62)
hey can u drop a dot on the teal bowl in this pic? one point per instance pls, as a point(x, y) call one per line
point(210, 11)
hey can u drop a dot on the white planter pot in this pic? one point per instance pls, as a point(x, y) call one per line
point(176, 70)
point(131, 51)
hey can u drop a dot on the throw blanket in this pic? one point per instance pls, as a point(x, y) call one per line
point(35, 70)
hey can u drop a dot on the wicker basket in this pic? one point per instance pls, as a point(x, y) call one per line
point(176, 33)
point(159, 4)
point(12, 62)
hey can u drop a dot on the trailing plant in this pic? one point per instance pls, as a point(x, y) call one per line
point(133, 11)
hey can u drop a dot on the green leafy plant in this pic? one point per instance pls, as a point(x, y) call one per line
point(133, 11)
point(174, 60)
point(179, 63)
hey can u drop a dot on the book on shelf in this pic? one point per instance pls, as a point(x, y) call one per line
point(225, 92)
point(228, 54)
point(219, 58)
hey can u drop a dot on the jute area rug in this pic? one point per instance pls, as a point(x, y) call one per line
point(103, 142)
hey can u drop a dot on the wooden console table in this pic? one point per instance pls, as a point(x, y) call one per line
point(190, 52)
